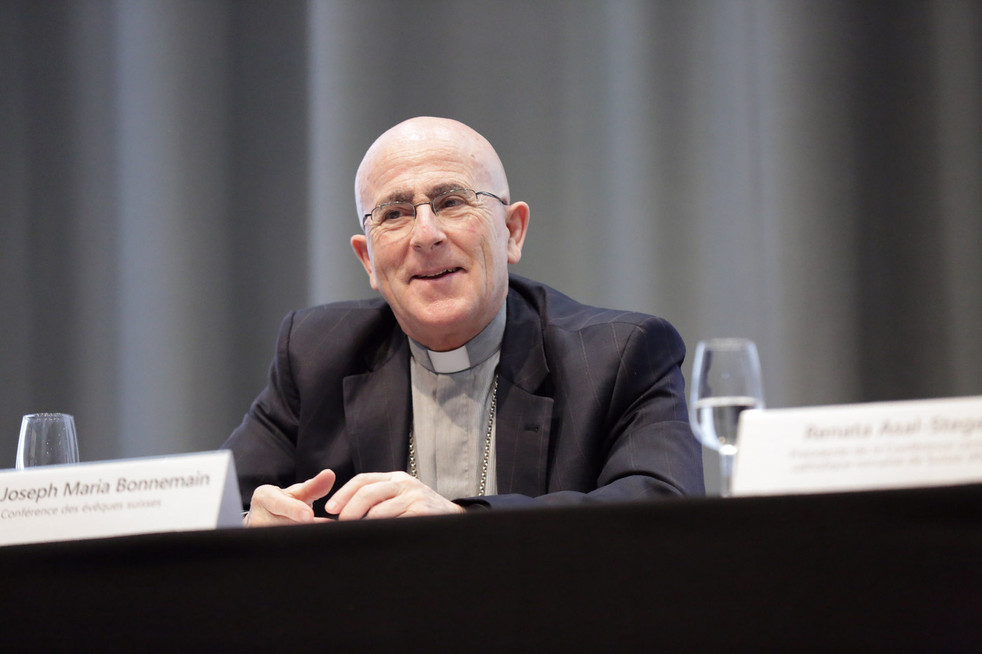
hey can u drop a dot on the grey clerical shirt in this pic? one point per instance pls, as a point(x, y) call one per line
point(451, 405)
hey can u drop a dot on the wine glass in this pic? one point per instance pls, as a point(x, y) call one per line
point(725, 382)
point(47, 439)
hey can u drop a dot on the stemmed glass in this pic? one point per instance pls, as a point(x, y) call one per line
point(47, 439)
point(726, 381)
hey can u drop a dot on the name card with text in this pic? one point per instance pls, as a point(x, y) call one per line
point(115, 498)
point(859, 447)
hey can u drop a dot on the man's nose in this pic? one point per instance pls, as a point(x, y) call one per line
point(427, 228)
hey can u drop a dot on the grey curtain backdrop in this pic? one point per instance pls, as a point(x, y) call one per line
point(176, 175)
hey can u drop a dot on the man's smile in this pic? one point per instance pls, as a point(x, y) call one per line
point(437, 274)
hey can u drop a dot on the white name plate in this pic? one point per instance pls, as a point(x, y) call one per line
point(116, 498)
point(859, 447)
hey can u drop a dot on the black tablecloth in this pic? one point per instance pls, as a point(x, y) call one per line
point(875, 571)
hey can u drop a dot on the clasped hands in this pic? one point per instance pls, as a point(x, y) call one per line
point(368, 495)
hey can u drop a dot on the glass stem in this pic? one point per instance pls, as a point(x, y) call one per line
point(726, 474)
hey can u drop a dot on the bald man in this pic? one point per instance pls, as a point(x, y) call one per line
point(461, 386)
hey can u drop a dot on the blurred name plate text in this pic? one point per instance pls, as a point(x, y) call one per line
point(859, 447)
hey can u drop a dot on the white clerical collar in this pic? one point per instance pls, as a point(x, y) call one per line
point(473, 352)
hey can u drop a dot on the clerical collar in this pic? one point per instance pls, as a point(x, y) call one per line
point(473, 352)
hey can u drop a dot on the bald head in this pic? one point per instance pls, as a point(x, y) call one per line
point(428, 142)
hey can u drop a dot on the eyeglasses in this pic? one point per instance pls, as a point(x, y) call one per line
point(398, 217)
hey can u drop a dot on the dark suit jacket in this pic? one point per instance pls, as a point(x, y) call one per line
point(590, 402)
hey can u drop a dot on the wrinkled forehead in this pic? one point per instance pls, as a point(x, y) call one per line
point(418, 155)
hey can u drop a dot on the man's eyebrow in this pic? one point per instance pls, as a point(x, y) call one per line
point(443, 188)
point(396, 196)
point(405, 195)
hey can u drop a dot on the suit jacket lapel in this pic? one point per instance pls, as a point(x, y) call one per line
point(378, 410)
point(524, 406)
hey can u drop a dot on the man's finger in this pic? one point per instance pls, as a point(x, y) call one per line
point(271, 505)
point(314, 488)
point(344, 494)
point(370, 496)
point(387, 495)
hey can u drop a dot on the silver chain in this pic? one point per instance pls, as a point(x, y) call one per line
point(485, 463)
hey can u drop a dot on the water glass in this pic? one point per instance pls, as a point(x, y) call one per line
point(47, 439)
point(726, 381)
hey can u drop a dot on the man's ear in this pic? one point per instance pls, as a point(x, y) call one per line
point(359, 243)
point(517, 222)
